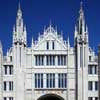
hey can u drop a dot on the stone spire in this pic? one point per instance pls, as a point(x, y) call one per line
point(81, 21)
point(50, 26)
point(0, 47)
point(19, 30)
point(32, 45)
point(68, 42)
point(75, 32)
point(19, 13)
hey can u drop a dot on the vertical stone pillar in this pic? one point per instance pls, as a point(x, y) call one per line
point(44, 80)
point(99, 70)
point(56, 80)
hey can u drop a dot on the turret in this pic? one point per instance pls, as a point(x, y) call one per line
point(81, 29)
point(19, 30)
point(19, 53)
point(81, 57)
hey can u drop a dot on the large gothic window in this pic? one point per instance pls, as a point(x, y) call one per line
point(39, 60)
point(38, 80)
point(8, 70)
point(62, 80)
point(90, 85)
point(62, 60)
point(50, 80)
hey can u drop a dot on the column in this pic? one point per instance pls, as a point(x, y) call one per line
point(7, 84)
point(93, 85)
point(7, 98)
point(7, 70)
point(93, 98)
point(56, 80)
point(45, 61)
point(56, 60)
point(93, 70)
point(44, 81)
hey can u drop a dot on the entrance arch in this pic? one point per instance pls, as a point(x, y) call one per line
point(50, 97)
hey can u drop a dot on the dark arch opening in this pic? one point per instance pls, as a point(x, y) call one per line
point(50, 97)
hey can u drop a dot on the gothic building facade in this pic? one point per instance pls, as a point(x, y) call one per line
point(50, 68)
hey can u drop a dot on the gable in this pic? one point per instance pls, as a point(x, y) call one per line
point(52, 39)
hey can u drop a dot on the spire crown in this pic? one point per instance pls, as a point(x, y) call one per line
point(19, 13)
point(81, 9)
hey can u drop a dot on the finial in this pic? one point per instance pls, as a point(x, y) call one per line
point(19, 5)
point(75, 32)
point(24, 27)
point(14, 29)
point(50, 23)
point(56, 29)
point(0, 44)
point(75, 28)
point(19, 13)
point(50, 26)
point(32, 45)
point(68, 42)
point(86, 29)
point(81, 7)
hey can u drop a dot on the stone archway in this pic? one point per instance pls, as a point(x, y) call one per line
point(50, 97)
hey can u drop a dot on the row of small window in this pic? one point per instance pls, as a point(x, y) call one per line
point(8, 69)
point(93, 98)
point(92, 85)
point(50, 80)
point(8, 98)
point(92, 69)
point(50, 60)
point(8, 85)
point(48, 45)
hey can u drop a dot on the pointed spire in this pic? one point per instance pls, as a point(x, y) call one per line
point(19, 8)
point(56, 30)
point(81, 21)
point(86, 29)
point(68, 42)
point(19, 13)
point(44, 30)
point(14, 29)
point(50, 26)
point(0, 45)
point(50, 23)
point(81, 9)
point(32, 45)
point(24, 28)
point(75, 32)
point(81, 6)
point(25, 33)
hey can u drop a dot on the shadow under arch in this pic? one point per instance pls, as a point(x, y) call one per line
point(50, 97)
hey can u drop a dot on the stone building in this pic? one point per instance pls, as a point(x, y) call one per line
point(50, 68)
